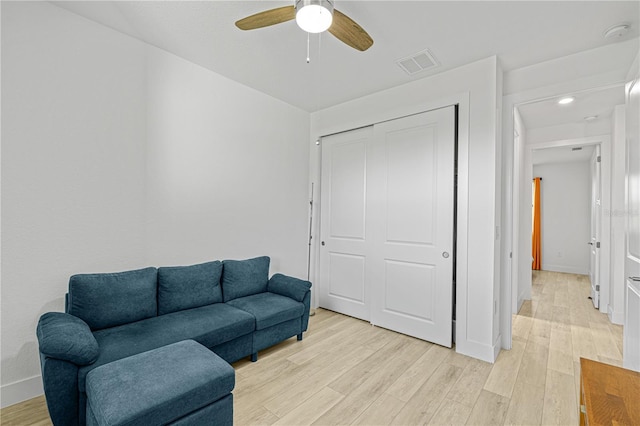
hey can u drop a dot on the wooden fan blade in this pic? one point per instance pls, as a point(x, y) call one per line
point(350, 33)
point(267, 18)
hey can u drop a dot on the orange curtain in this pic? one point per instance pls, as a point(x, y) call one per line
point(536, 249)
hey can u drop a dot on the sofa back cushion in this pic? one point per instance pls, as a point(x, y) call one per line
point(108, 300)
point(186, 287)
point(244, 277)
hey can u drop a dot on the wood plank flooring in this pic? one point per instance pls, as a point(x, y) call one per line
point(347, 372)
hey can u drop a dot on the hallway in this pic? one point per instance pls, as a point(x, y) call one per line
point(550, 334)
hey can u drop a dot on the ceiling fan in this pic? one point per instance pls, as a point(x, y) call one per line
point(313, 16)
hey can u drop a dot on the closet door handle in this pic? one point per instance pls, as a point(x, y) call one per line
point(634, 278)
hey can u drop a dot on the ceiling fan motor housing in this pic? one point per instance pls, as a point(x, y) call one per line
point(314, 16)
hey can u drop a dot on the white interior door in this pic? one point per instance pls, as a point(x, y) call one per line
point(412, 256)
point(631, 344)
point(345, 245)
point(594, 263)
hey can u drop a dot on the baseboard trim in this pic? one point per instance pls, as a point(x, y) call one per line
point(497, 346)
point(483, 352)
point(565, 269)
point(521, 300)
point(20, 391)
point(616, 317)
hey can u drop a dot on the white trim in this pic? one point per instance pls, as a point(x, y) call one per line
point(481, 351)
point(20, 391)
point(591, 140)
point(564, 268)
point(510, 102)
point(616, 317)
point(462, 228)
point(520, 301)
point(383, 116)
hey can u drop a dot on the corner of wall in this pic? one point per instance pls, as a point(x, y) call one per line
point(634, 70)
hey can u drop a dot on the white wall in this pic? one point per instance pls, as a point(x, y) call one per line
point(474, 86)
point(73, 168)
point(634, 69)
point(600, 127)
point(565, 207)
point(618, 163)
point(117, 155)
point(228, 170)
point(590, 68)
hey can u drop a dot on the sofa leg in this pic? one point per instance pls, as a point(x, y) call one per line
point(299, 337)
point(254, 357)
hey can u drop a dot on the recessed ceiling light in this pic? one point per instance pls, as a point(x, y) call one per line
point(567, 100)
point(617, 30)
point(591, 118)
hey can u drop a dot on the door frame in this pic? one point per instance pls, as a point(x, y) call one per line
point(510, 169)
point(595, 226)
point(605, 196)
point(460, 299)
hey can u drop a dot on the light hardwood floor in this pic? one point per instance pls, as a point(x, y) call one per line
point(347, 372)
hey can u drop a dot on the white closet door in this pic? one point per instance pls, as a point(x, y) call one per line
point(412, 258)
point(345, 250)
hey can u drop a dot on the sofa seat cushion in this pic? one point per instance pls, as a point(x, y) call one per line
point(159, 386)
point(208, 325)
point(269, 308)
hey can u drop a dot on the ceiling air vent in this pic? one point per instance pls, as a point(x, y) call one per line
point(419, 62)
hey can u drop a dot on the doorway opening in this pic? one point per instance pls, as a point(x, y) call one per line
point(546, 133)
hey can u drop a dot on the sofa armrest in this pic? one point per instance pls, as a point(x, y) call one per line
point(289, 286)
point(68, 338)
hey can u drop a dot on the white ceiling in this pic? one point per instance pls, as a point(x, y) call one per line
point(273, 59)
point(549, 113)
point(564, 154)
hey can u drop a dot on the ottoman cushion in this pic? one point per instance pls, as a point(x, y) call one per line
point(158, 386)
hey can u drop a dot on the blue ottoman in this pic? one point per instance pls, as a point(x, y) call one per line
point(180, 384)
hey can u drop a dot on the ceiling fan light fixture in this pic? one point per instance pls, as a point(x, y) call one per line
point(314, 16)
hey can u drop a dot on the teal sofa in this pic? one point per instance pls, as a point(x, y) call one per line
point(231, 307)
